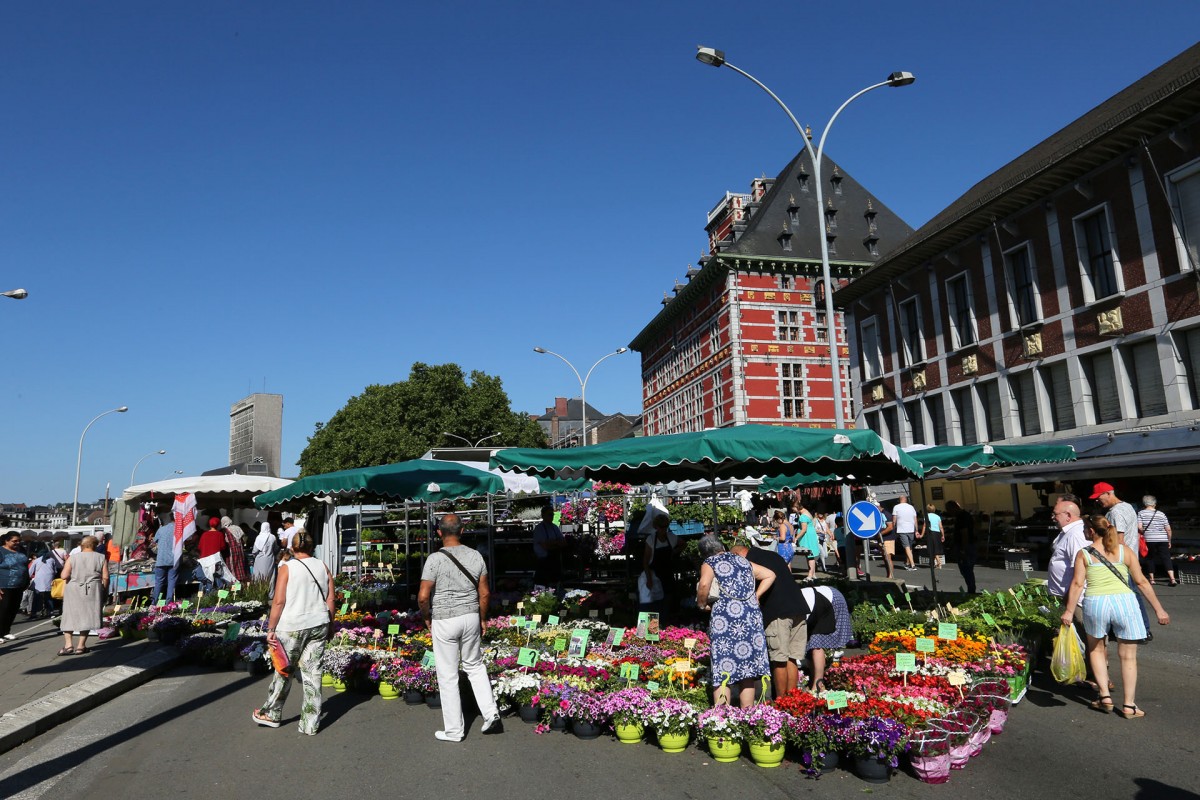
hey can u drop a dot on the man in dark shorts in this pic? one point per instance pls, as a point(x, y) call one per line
point(785, 617)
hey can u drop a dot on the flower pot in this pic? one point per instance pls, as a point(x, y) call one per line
point(558, 722)
point(724, 750)
point(1016, 688)
point(433, 699)
point(339, 685)
point(932, 769)
point(630, 734)
point(872, 770)
point(414, 697)
point(828, 763)
point(387, 691)
point(326, 679)
point(241, 666)
point(528, 712)
point(673, 742)
point(765, 754)
point(979, 738)
point(585, 730)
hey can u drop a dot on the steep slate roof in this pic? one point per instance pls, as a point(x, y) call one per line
point(575, 412)
point(1152, 105)
point(760, 241)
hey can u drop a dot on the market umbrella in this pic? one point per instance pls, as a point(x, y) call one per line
point(423, 480)
point(743, 451)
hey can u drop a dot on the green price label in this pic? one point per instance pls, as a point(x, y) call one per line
point(237, 587)
point(560, 644)
point(990, 620)
point(1000, 597)
point(222, 593)
point(185, 604)
point(947, 630)
point(551, 620)
point(652, 686)
point(527, 657)
point(428, 661)
point(835, 700)
point(908, 598)
point(518, 622)
point(393, 630)
point(531, 625)
point(926, 645)
point(906, 662)
point(233, 631)
point(631, 671)
point(891, 601)
point(161, 603)
point(345, 608)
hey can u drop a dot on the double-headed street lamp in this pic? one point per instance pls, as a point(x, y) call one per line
point(79, 461)
point(15, 294)
point(716, 58)
point(582, 380)
point(468, 441)
point(133, 474)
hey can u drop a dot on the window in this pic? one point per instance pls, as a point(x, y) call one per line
point(1096, 256)
point(718, 402)
point(785, 242)
point(831, 241)
point(1102, 381)
point(831, 219)
point(1149, 393)
point(714, 337)
point(910, 332)
point(916, 422)
point(993, 418)
point(1058, 388)
point(1187, 345)
point(791, 389)
point(891, 420)
point(871, 419)
point(937, 415)
point(1022, 286)
point(964, 407)
point(822, 329)
point(794, 217)
point(787, 283)
point(1185, 202)
point(872, 359)
point(787, 326)
point(1024, 394)
point(962, 318)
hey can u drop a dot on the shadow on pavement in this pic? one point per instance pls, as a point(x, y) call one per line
point(335, 707)
point(1155, 790)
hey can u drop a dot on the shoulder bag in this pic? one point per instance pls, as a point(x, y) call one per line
point(474, 579)
point(320, 588)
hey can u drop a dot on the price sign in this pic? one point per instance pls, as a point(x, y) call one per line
point(947, 630)
point(520, 605)
point(1000, 597)
point(652, 686)
point(530, 625)
point(926, 645)
point(185, 604)
point(560, 644)
point(428, 661)
point(608, 612)
point(689, 644)
point(393, 630)
point(990, 620)
point(614, 637)
point(536, 618)
point(161, 603)
point(379, 548)
point(518, 622)
point(906, 662)
point(683, 666)
point(345, 608)
point(222, 593)
point(504, 602)
point(527, 657)
point(594, 613)
point(957, 677)
point(631, 671)
point(117, 609)
point(891, 601)
point(551, 620)
point(835, 700)
point(354, 606)
point(908, 598)
point(237, 587)
point(233, 631)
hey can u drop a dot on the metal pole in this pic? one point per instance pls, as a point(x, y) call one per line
point(79, 460)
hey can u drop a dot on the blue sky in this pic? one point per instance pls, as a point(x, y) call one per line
point(208, 199)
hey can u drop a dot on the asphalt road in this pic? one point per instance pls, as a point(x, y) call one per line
point(189, 734)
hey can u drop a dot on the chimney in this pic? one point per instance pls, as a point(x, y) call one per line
point(560, 407)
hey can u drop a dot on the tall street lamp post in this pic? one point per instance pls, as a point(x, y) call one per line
point(716, 58)
point(133, 475)
point(582, 380)
point(15, 294)
point(468, 441)
point(79, 461)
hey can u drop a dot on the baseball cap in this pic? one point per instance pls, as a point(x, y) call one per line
point(1101, 488)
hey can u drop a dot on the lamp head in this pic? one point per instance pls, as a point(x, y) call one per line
point(539, 349)
point(710, 56)
point(900, 78)
point(162, 452)
point(17, 294)
point(122, 409)
point(622, 349)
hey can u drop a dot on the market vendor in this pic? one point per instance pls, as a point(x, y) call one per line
point(659, 561)
point(213, 554)
point(548, 543)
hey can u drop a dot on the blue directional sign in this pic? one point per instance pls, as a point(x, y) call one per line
point(865, 519)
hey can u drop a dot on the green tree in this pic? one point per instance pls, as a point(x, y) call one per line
point(403, 420)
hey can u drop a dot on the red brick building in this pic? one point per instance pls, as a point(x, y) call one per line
point(744, 339)
point(1057, 299)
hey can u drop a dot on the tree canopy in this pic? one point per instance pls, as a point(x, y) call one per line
point(403, 420)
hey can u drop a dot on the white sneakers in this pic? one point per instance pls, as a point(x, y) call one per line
point(493, 725)
point(445, 737)
point(8, 637)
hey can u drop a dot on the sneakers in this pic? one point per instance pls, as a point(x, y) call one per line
point(445, 737)
point(910, 568)
point(493, 725)
point(8, 637)
point(264, 721)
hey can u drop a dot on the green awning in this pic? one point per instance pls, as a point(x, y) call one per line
point(420, 479)
point(956, 458)
point(744, 451)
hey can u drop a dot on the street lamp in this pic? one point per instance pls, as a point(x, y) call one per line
point(133, 474)
point(582, 381)
point(79, 461)
point(716, 58)
point(16, 294)
point(468, 441)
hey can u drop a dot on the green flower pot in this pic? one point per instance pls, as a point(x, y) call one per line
point(630, 734)
point(339, 686)
point(326, 679)
point(724, 750)
point(673, 742)
point(387, 691)
point(766, 755)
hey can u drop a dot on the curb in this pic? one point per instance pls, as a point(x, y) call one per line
point(38, 716)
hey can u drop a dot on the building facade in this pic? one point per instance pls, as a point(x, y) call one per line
point(256, 434)
point(1056, 300)
point(745, 338)
point(563, 424)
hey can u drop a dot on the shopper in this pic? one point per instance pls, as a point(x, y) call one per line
point(453, 599)
point(785, 537)
point(829, 627)
point(806, 539)
point(14, 576)
point(548, 544)
point(213, 551)
point(237, 553)
point(86, 575)
point(904, 517)
point(658, 562)
point(1103, 574)
point(931, 532)
point(964, 541)
point(266, 552)
point(785, 617)
point(301, 621)
point(1156, 528)
point(42, 571)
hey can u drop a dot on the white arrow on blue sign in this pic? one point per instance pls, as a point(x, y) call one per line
point(865, 519)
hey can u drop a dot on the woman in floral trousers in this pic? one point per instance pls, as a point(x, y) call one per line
point(301, 621)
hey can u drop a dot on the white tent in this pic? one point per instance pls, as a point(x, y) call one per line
point(515, 482)
point(207, 485)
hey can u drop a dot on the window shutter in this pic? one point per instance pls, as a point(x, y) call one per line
point(1188, 192)
point(1105, 399)
point(1142, 362)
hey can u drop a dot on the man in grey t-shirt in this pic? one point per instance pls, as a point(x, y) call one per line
point(454, 601)
point(1121, 514)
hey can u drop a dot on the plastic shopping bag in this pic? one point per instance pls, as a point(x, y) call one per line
point(1067, 664)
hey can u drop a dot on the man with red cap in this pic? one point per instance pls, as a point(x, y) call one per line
point(1121, 514)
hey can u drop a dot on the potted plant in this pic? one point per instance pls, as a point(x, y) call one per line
point(673, 721)
point(767, 732)
point(170, 629)
point(627, 709)
point(958, 736)
point(386, 672)
point(929, 753)
point(586, 711)
point(551, 704)
point(721, 726)
point(876, 747)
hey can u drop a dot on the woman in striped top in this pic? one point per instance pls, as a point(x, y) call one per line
point(1154, 525)
point(1104, 569)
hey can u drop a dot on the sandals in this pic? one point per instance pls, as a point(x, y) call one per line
point(66, 651)
point(1103, 704)
point(1134, 714)
point(264, 721)
point(83, 651)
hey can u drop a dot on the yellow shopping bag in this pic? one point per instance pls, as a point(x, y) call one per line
point(1066, 663)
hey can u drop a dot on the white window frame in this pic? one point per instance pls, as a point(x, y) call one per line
point(871, 368)
point(1010, 280)
point(1187, 171)
point(788, 378)
point(1084, 263)
point(911, 358)
point(952, 311)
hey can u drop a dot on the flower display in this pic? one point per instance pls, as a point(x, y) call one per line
point(722, 722)
point(766, 724)
point(670, 715)
point(627, 706)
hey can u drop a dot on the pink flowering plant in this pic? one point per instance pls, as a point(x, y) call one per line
point(723, 722)
point(766, 725)
point(627, 706)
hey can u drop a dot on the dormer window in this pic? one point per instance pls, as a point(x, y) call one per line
point(836, 181)
point(831, 219)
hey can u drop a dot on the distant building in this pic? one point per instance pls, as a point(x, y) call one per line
point(256, 435)
point(563, 424)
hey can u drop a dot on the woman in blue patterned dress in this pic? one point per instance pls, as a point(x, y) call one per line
point(738, 643)
point(786, 536)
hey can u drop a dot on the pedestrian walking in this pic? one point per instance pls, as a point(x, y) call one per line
point(14, 576)
point(86, 576)
point(1156, 529)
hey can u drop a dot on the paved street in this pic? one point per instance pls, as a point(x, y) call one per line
point(194, 726)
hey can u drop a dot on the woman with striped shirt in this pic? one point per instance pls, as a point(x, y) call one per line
point(1154, 525)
